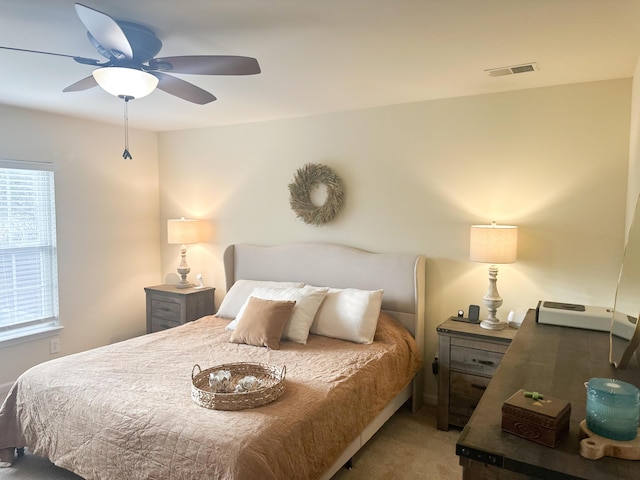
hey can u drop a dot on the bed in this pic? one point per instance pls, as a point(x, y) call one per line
point(124, 410)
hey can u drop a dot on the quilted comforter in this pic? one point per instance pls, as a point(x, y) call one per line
point(125, 410)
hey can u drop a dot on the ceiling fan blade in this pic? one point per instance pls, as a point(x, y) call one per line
point(86, 61)
point(84, 84)
point(207, 65)
point(105, 31)
point(185, 90)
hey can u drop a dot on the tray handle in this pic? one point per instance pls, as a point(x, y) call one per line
point(193, 371)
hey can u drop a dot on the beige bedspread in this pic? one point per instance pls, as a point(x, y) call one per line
point(125, 410)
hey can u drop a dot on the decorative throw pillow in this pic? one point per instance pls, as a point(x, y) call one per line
point(240, 292)
point(263, 322)
point(308, 300)
point(349, 314)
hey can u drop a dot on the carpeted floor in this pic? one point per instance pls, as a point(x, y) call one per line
point(408, 446)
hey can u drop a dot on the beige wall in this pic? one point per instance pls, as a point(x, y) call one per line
point(552, 161)
point(634, 149)
point(107, 225)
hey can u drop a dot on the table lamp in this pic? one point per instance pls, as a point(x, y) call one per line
point(493, 244)
point(183, 231)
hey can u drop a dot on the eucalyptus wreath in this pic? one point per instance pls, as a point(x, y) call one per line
point(305, 180)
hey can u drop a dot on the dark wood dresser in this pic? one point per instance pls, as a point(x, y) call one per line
point(553, 360)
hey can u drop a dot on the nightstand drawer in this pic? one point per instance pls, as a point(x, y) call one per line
point(468, 385)
point(472, 360)
point(167, 310)
point(158, 324)
point(461, 408)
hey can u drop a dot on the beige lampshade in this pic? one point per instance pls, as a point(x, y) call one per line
point(493, 243)
point(183, 231)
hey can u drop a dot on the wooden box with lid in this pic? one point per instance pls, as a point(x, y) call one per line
point(537, 417)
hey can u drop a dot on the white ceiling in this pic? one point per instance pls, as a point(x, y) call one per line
point(320, 56)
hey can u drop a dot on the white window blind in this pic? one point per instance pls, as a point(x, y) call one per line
point(28, 259)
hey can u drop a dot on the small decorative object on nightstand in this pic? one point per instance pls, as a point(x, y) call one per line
point(468, 357)
point(168, 306)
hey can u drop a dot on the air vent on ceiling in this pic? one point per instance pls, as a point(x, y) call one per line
point(512, 70)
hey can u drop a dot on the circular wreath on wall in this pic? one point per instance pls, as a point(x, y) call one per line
point(305, 180)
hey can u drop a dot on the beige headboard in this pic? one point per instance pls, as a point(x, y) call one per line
point(401, 276)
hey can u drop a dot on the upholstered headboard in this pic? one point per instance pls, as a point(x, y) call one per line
point(401, 276)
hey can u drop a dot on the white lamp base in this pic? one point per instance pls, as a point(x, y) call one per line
point(490, 325)
point(492, 301)
point(183, 269)
point(180, 284)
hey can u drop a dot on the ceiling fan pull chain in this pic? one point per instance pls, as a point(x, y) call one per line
point(126, 155)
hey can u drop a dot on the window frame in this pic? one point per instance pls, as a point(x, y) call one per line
point(50, 325)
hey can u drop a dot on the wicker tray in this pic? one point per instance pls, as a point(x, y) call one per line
point(271, 377)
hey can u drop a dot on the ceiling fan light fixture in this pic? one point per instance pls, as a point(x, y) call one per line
point(125, 82)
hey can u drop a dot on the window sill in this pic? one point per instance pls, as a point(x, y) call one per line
point(30, 335)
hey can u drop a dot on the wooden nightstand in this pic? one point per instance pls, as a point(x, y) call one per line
point(168, 306)
point(468, 357)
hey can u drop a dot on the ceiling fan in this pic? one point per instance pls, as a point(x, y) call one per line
point(131, 69)
point(130, 49)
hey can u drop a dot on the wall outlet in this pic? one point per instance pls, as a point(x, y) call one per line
point(54, 346)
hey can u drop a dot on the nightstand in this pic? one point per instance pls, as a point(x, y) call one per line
point(468, 356)
point(168, 306)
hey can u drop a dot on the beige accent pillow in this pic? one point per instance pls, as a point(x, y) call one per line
point(308, 300)
point(263, 322)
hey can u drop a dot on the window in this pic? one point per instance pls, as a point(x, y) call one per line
point(28, 263)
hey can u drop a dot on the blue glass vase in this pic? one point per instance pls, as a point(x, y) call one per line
point(613, 408)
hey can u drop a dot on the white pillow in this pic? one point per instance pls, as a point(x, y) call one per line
point(308, 300)
point(240, 291)
point(349, 314)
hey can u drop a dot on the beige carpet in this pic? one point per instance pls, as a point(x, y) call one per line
point(408, 446)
